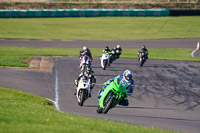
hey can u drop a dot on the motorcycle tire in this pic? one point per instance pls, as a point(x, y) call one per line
point(108, 106)
point(141, 62)
point(82, 98)
point(104, 65)
point(99, 110)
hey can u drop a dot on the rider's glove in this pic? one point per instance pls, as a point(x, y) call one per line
point(107, 83)
point(92, 85)
point(129, 90)
point(76, 82)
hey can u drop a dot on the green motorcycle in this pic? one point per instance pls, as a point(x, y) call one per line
point(111, 96)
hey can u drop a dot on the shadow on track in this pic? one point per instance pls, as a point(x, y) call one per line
point(151, 117)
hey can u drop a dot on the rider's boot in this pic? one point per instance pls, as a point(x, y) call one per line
point(90, 93)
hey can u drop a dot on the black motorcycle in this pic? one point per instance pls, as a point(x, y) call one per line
point(113, 56)
point(142, 58)
point(118, 53)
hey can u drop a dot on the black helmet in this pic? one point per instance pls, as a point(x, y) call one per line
point(143, 47)
point(107, 48)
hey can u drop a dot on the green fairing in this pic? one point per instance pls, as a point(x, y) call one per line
point(119, 92)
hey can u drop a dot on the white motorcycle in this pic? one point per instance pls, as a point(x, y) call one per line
point(105, 60)
point(84, 60)
point(83, 90)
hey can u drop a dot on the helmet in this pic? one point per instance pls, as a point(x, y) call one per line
point(143, 46)
point(114, 48)
point(127, 76)
point(88, 70)
point(118, 46)
point(85, 48)
point(107, 48)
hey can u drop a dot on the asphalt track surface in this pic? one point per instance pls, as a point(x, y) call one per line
point(166, 93)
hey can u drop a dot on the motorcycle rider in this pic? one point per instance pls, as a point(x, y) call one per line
point(88, 73)
point(119, 49)
point(86, 51)
point(114, 55)
point(107, 50)
point(124, 80)
point(144, 50)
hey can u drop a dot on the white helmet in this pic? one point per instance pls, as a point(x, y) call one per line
point(118, 46)
point(85, 48)
point(127, 76)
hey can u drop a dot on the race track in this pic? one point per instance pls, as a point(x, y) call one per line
point(166, 93)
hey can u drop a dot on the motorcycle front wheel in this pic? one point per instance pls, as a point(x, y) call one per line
point(141, 62)
point(104, 65)
point(108, 105)
point(82, 98)
point(99, 110)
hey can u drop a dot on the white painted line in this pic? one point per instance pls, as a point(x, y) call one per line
point(56, 89)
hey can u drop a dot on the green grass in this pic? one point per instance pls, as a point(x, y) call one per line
point(16, 56)
point(164, 54)
point(26, 113)
point(100, 28)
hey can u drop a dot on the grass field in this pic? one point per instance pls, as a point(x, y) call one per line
point(20, 56)
point(21, 112)
point(26, 113)
point(101, 28)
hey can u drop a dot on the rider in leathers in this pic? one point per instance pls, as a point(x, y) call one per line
point(107, 50)
point(144, 49)
point(119, 49)
point(90, 74)
point(125, 80)
point(86, 51)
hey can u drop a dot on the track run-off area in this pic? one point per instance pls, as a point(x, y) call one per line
point(166, 93)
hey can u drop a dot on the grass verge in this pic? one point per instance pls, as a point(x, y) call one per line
point(18, 56)
point(26, 113)
point(100, 28)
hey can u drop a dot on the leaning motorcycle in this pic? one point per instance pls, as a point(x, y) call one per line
point(112, 56)
point(111, 96)
point(118, 53)
point(84, 62)
point(83, 90)
point(105, 60)
point(142, 58)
